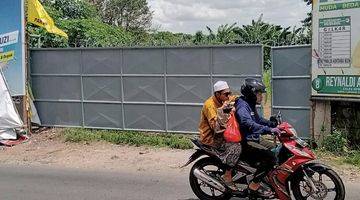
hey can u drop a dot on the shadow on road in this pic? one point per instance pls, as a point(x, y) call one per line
point(189, 199)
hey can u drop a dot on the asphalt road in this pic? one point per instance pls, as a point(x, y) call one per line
point(37, 183)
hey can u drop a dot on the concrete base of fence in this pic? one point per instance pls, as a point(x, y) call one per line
point(320, 119)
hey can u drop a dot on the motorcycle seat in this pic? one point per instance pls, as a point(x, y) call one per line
point(204, 147)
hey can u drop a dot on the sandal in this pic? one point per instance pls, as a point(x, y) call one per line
point(263, 191)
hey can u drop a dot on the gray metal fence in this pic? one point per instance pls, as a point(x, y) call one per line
point(291, 85)
point(152, 89)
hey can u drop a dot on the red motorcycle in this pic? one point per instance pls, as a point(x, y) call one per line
point(297, 170)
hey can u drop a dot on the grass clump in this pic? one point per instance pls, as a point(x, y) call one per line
point(353, 158)
point(134, 138)
point(335, 143)
point(79, 135)
point(335, 147)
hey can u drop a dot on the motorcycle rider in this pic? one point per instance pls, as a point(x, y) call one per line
point(252, 126)
point(212, 125)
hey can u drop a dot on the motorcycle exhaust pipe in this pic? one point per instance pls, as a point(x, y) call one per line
point(209, 180)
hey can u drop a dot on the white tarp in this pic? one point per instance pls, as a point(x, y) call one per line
point(7, 134)
point(9, 117)
point(34, 115)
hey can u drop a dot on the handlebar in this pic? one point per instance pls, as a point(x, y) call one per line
point(277, 118)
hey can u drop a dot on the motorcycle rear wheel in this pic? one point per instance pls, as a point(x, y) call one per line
point(321, 184)
point(217, 168)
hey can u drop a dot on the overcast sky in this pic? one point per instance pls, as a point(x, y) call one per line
point(189, 16)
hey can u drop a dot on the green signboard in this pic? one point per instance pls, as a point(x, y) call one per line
point(335, 21)
point(339, 6)
point(337, 84)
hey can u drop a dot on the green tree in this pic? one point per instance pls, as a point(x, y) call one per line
point(94, 33)
point(307, 23)
point(73, 9)
point(129, 14)
point(166, 38)
point(80, 20)
point(226, 34)
point(199, 38)
point(259, 32)
point(104, 23)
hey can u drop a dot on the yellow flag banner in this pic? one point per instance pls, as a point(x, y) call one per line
point(37, 15)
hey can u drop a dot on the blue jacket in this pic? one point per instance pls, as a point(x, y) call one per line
point(251, 125)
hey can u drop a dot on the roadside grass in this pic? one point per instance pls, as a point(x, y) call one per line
point(179, 141)
point(353, 158)
point(133, 138)
point(335, 148)
point(329, 157)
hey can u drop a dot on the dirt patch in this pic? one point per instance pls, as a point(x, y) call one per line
point(346, 171)
point(48, 148)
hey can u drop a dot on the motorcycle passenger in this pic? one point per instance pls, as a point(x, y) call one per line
point(252, 126)
point(213, 124)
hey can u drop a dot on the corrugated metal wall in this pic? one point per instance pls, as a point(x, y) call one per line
point(291, 86)
point(152, 89)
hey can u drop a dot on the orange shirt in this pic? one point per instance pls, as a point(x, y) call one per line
point(208, 120)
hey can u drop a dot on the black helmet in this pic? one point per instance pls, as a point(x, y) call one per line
point(251, 87)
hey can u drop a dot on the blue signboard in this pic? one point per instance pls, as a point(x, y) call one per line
point(12, 45)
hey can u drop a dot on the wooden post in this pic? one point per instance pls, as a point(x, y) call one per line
point(25, 104)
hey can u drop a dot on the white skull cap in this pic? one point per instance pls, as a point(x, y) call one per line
point(220, 85)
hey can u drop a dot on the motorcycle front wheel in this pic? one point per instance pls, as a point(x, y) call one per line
point(215, 169)
point(327, 182)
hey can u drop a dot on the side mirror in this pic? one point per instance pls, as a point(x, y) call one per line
point(273, 118)
point(274, 121)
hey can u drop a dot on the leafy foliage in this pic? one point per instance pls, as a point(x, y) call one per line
point(346, 118)
point(353, 158)
point(72, 9)
point(113, 23)
point(92, 33)
point(335, 143)
point(307, 22)
point(165, 38)
point(129, 14)
point(81, 21)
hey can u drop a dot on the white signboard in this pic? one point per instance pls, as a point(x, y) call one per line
point(336, 48)
point(12, 45)
point(9, 38)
